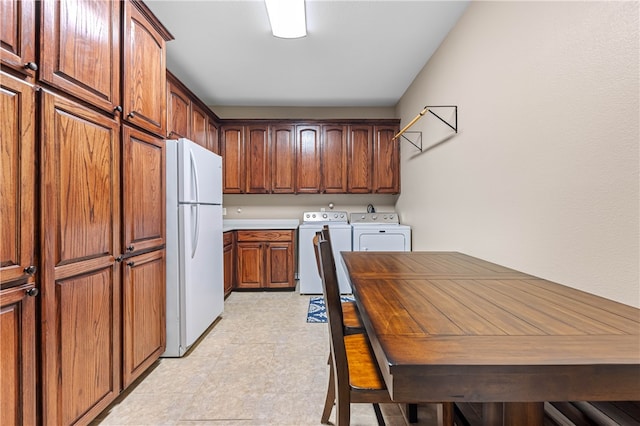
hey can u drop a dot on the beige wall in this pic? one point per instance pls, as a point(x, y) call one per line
point(543, 175)
point(274, 206)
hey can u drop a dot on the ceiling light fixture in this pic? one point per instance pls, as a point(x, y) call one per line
point(287, 18)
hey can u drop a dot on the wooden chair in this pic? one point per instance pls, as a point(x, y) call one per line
point(355, 372)
point(350, 315)
point(352, 324)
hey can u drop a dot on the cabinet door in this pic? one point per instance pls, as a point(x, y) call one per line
point(199, 126)
point(17, 35)
point(80, 236)
point(80, 49)
point(386, 165)
point(279, 265)
point(360, 158)
point(232, 155)
point(18, 355)
point(178, 105)
point(144, 307)
point(283, 159)
point(17, 171)
point(212, 136)
point(334, 159)
point(143, 190)
point(250, 273)
point(308, 172)
point(144, 73)
point(256, 152)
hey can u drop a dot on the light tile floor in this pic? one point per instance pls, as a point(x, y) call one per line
point(260, 364)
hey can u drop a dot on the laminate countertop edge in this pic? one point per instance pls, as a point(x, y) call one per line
point(240, 224)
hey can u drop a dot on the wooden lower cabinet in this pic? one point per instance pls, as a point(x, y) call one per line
point(18, 355)
point(229, 256)
point(265, 259)
point(143, 313)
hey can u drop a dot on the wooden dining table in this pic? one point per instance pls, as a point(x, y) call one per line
point(446, 326)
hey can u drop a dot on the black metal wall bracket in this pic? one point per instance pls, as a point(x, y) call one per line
point(426, 109)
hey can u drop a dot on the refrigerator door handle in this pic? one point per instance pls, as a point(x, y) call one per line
point(194, 173)
point(195, 228)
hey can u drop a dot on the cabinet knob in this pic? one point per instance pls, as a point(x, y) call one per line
point(31, 66)
point(131, 263)
point(130, 248)
point(33, 292)
point(131, 114)
point(30, 270)
point(117, 109)
point(119, 258)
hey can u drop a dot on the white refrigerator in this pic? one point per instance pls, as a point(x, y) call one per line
point(195, 289)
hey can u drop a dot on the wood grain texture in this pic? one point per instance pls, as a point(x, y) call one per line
point(488, 333)
point(18, 354)
point(308, 155)
point(17, 35)
point(17, 174)
point(144, 73)
point(360, 158)
point(80, 49)
point(144, 322)
point(258, 159)
point(231, 148)
point(143, 190)
point(386, 160)
point(178, 110)
point(80, 286)
point(283, 159)
point(334, 159)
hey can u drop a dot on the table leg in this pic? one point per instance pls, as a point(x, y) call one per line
point(523, 413)
point(492, 413)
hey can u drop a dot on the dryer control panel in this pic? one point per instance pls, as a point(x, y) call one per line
point(375, 218)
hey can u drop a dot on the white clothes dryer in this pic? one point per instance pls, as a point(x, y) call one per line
point(379, 232)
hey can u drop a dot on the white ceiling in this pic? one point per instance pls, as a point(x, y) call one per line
point(356, 53)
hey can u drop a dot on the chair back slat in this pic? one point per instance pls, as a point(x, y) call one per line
point(331, 292)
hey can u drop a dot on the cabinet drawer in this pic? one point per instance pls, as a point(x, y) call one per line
point(265, 235)
point(227, 238)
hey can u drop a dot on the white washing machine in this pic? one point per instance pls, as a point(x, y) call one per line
point(379, 232)
point(340, 233)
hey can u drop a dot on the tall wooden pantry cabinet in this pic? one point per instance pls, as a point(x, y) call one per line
point(82, 205)
point(18, 271)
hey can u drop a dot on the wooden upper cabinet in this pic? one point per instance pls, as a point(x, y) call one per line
point(231, 149)
point(144, 74)
point(212, 136)
point(360, 158)
point(143, 190)
point(17, 184)
point(80, 49)
point(256, 153)
point(386, 164)
point(308, 172)
point(334, 158)
point(199, 121)
point(283, 159)
point(80, 286)
point(17, 36)
point(178, 111)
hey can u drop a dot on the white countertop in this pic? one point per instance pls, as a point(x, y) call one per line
point(235, 224)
